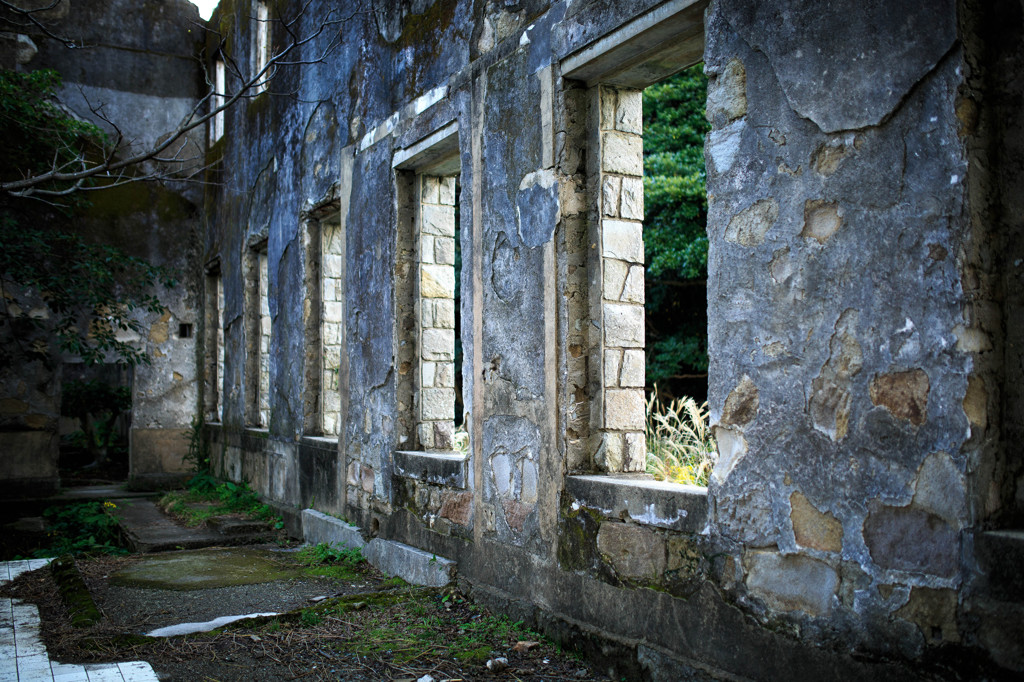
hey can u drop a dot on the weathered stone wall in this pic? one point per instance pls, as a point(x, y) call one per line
point(859, 368)
point(134, 64)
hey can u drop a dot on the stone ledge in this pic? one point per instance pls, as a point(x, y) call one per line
point(320, 443)
point(644, 500)
point(318, 527)
point(408, 563)
point(443, 468)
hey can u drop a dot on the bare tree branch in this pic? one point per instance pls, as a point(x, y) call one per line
point(111, 167)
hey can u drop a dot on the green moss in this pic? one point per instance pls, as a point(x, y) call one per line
point(577, 537)
point(74, 592)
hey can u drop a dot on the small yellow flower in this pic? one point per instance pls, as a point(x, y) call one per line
point(109, 505)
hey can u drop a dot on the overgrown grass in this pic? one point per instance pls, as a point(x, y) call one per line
point(330, 561)
point(424, 625)
point(221, 497)
point(680, 447)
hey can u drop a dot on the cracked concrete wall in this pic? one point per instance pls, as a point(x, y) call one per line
point(849, 369)
point(134, 62)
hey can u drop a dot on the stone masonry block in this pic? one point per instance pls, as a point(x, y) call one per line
point(408, 563)
point(427, 249)
point(633, 374)
point(444, 313)
point(438, 344)
point(635, 459)
point(427, 312)
point(608, 96)
point(428, 372)
point(444, 250)
point(629, 112)
point(437, 403)
point(622, 153)
point(632, 203)
point(612, 366)
point(633, 551)
point(611, 453)
point(425, 433)
point(624, 409)
point(446, 191)
point(437, 281)
point(334, 312)
point(610, 187)
point(429, 189)
point(615, 272)
point(623, 240)
point(624, 325)
point(438, 220)
point(791, 583)
point(318, 527)
point(444, 376)
point(633, 290)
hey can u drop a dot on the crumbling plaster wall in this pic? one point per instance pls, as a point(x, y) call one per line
point(134, 63)
point(843, 346)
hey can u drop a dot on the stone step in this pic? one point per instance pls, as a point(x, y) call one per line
point(1000, 555)
point(147, 530)
point(319, 528)
point(408, 563)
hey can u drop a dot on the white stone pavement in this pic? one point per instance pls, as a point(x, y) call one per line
point(23, 655)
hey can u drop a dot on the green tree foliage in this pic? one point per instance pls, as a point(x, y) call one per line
point(50, 278)
point(675, 237)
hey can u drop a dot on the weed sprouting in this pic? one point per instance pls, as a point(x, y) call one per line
point(222, 497)
point(85, 527)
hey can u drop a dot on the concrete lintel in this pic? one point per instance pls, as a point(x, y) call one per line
point(646, 501)
point(443, 468)
point(318, 528)
point(408, 563)
point(435, 154)
point(645, 50)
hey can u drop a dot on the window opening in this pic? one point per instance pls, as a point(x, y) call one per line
point(653, 262)
point(214, 342)
point(217, 101)
point(258, 329)
point(437, 312)
point(332, 321)
point(262, 44)
point(674, 212)
point(263, 389)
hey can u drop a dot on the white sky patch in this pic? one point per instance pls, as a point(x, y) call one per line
point(206, 7)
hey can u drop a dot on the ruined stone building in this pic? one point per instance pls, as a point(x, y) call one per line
point(866, 335)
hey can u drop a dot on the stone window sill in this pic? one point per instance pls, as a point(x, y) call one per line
point(642, 499)
point(257, 431)
point(321, 441)
point(441, 467)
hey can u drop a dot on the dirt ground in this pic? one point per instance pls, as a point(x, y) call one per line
point(358, 627)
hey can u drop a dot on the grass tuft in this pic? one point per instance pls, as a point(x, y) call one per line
point(680, 447)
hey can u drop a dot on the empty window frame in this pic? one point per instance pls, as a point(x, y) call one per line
point(261, 45)
point(616, 69)
point(214, 344)
point(427, 310)
point(217, 100)
point(258, 337)
point(325, 325)
point(426, 298)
